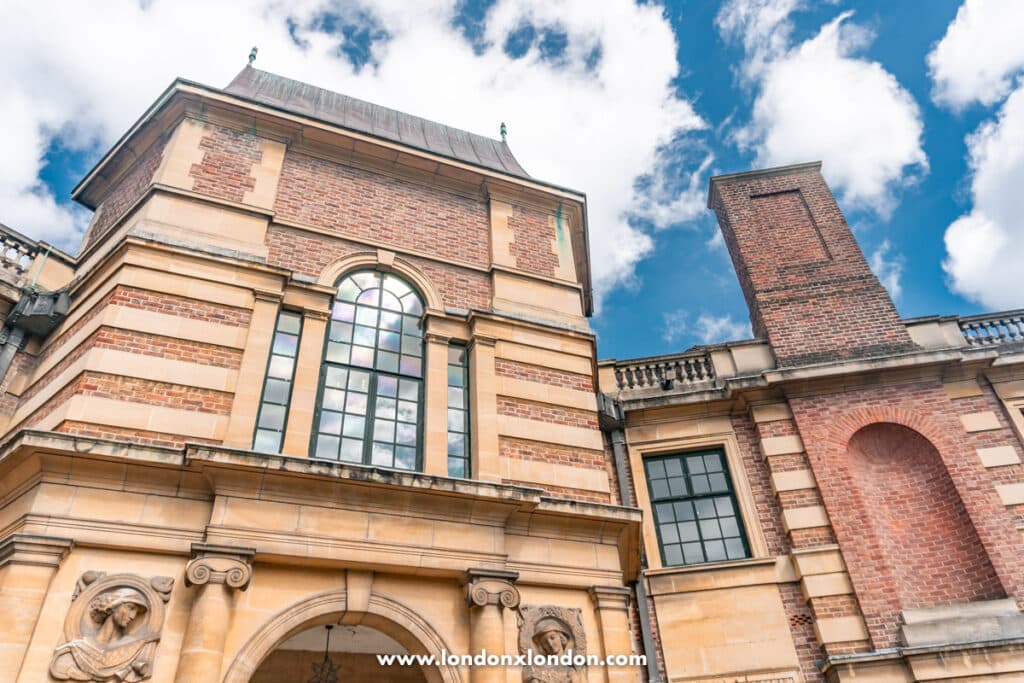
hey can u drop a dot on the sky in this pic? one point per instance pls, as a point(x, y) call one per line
point(915, 109)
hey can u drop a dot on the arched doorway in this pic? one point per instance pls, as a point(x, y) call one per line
point(341, 653)
point(382, 623)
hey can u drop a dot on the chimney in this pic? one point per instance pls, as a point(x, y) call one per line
point(809, 288)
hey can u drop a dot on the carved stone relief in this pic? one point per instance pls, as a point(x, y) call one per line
point(552, 631)
point(112, 628)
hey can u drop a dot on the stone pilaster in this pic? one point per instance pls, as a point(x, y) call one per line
point(612, 606)
point(216, 572)
point(435, 439)
point(483, 407)
point(27, 565)
point(488, 592)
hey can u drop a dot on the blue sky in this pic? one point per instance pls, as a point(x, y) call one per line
point(916, 110)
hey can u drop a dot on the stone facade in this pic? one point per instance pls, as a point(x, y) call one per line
point(865, 471)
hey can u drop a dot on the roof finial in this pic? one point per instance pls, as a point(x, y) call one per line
point(252, 55)
point(504, 132)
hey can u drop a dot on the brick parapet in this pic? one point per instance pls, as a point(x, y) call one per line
point(225, 171)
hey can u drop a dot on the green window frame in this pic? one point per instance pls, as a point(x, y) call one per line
point(696, 513)
point(268, 435)
point(458, 411)
point(370, 401)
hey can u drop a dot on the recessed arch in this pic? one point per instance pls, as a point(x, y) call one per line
point(386, 262)
point(384, 614)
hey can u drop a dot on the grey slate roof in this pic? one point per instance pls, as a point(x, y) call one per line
point(364, 117)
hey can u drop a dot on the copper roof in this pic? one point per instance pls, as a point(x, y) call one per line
point(301, 98)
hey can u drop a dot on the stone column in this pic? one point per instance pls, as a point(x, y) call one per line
point(27, 565)
point(305, 383)
point(216, 571)
point(435, 438)
point(612, 605)
point(488, 592)
point(483, 409)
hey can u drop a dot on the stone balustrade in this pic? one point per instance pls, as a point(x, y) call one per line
point(688, 370)
point(16, 254)
point(993, 328)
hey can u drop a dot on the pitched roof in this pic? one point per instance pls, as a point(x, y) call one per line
point(301, 98)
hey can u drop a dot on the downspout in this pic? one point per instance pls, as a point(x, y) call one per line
point(37, 314)
point(611, 408)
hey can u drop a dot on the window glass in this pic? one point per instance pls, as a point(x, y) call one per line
point(277, 388)
point(371, 394)
point(458, 411)
point(695, 509)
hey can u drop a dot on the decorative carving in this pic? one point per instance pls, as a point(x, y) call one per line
point(547, 630)
point(219, 564)
point(491, 587)
point(112, 628)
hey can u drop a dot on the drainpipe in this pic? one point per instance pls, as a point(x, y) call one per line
point(613, 423)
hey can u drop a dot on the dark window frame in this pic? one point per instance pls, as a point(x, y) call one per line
point(373, 387)
point(467, 431)
point(281, 313)
point(692, 498)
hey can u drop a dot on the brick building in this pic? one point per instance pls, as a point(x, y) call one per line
point(319, 385)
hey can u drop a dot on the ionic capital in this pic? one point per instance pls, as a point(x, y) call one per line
point(491, 587)
point(228, 565)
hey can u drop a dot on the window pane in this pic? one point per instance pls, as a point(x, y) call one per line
point(382, 455)
point(348, 290)
point(333, 399)
point(456, 444)
point(456, 397)
point(364, 336)
point(456, 467)
point(389, 341)
point(390, 302)
point(338, 353)
point(694, 525)
point(276, 391)
point(409, 389)
point(366, 316)
point(285, 344)
point(387, 361)
point(355, 426)
point(412, 366)
point(272, 417)
point(385, 408)
point(407, 411)
point(356, 403)
point(395, 286)
point(359, 381)
point(281, 367)
point(456, 421)
point(336, 377)
point(344, 312)
point(456, 376)
point(390, 321)
point(267, 441)
point(405, 458)
point(456, 355)
point(289, 322)
point(352, 450)
point(327, 447)
point(362, 356)
point(330, 423)
point(370, 297)
point(405, 434)
point(383, 430)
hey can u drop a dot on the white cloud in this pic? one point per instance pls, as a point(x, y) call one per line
point(888, 269)
point(708, 329)
point(980, 54)
point(88, 73)
point(817, 100)
point(984, 253)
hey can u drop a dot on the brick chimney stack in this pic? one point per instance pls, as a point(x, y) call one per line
point(809, 288)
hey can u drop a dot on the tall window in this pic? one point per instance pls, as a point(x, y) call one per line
point(695, 509)
point(371, 392)
point(458, 411)
point(277, 388)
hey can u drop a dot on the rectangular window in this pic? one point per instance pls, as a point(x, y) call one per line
point(458, 411)
point(695, 509)
point(277, 390)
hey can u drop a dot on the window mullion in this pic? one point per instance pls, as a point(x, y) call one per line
point(371, 403)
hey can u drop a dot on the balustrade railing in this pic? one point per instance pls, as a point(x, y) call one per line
point(668, 372)
point(993, 328)
point(16, 254)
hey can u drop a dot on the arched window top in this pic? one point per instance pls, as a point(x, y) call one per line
point(376, 323)
point(382, 290)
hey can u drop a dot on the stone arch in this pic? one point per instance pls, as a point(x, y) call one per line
point(387, 262)
point(382, 613)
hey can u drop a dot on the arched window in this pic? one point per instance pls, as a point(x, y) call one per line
point(371, 385)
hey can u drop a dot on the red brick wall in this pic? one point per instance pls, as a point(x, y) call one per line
point(309, 253)
point(922, 530)
point(801, 628)
point(139, 436)
point(355, 203)
point(874, 503)
point(226, 169)
point(532, 241)
point(125, 193)
point(810, 291)
point(537, 373)
point(183, 307)
point(547, 412)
